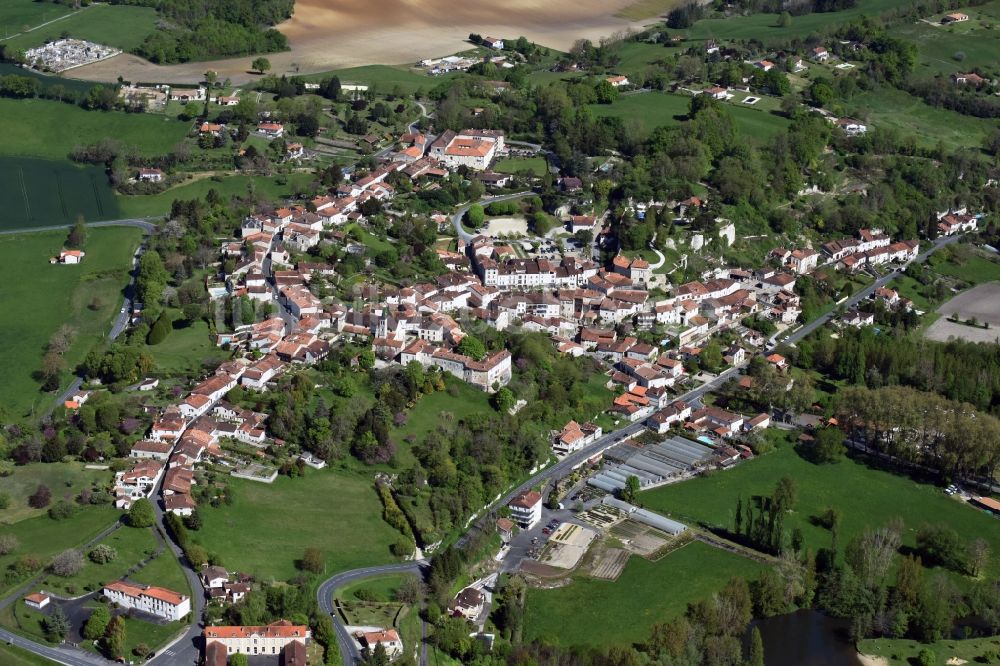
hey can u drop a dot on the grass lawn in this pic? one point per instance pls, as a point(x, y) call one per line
point(382, 589)
point(938, 44)
point(429, 411)
point(602, 613)
point(974, 269)
point(366, 238)
point(272, 188)
point(15, 656)
point(85, 296)
point(536, 165)
point(120, 26)
point(764, 27)
point(910, 116)
point(902, 652)
point(45, 538)
point(49, 129)
point(269, 526)
point(65, 480)
point(26, 621)
point(133, 546)
point(16, 15)
point(187, 347)
point(385, 78)
point(651, 110)
point(164, 571)
point(867, 498)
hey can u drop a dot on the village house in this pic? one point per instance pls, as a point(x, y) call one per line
point(968, 78)
point(468, 603)
point(69, 257)
point(857, 318)
point(388, 638)
point(151, 175)
point(954, 17)
point(819, 54)
point(271, 130)
point(617, 81)
point(574, 437)
point(37, 600)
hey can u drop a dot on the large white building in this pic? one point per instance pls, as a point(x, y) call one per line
point(157, 601)
point(270, 639)
point(526, 509)
point(475, 149)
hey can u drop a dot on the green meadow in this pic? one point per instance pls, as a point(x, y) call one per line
point(39, 297)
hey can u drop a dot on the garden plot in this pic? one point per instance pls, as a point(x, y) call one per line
point(609, 563)
point(640, 539)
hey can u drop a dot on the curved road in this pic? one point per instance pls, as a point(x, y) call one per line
point(456, 219)
point(328, 588)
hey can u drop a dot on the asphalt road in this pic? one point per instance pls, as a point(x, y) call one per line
point(187, 648)
point(138, 222)
point(867, 291)
point(328, 588)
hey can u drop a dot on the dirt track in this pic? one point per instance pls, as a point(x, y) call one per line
point(332, 34)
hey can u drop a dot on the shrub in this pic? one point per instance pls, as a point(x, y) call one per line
point(40, 498)
point(102, 554)
point(61, 510)
point(8, 544)
point(67, 563)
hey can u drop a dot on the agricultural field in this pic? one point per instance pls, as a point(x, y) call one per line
point(866, 497)
point(764, 27)
point(73, 85)
point(121, 26)
point(654, 109)
point(591, 612)
point(39, 193)
point(50, 129)
point(270, 188)
point(65, 480)
point(910, 116)
point(644, 9)
point(269, 526)
point(86, 297)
